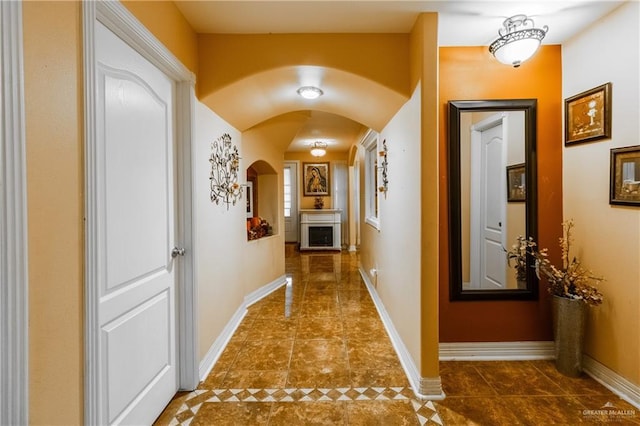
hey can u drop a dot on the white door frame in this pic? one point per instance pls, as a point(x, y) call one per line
point(344, 218)
point(119, 20)
point(295, 210)
point(14, 303)
point(476, 134)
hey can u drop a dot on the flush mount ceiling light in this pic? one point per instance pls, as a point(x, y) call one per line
point(310, 92)
point(318, 149)
point(518, 40)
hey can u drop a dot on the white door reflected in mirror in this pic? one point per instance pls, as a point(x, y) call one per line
point(490, 142)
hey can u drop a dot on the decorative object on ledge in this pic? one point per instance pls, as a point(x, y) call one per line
point(318, 149)
point(587, 116)
point(624, 181)
point(225, 162)
point(383, 167)
point(518, 40)
point(258, 227)
point(318, 203)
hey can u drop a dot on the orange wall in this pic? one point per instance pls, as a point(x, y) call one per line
point(424, 69)
point(355, 53)
point(166, 22)
point(53, 108)
point(472, 73)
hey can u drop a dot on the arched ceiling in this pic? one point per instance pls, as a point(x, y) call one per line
point(350, 98)
point(270, 93)
point(338, 132)
point(350, 103)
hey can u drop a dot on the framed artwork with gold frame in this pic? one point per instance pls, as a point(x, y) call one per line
point(587, 116)
point(516, 183)
point(624, 181)
point(315, 177)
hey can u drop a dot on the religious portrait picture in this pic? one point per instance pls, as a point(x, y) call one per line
point(316, 179)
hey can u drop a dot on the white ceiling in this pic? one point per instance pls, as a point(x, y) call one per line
point(461, 23)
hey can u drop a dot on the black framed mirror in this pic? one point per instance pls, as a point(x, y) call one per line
point(492, 197)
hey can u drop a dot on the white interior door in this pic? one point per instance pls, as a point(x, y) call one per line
point(291, 220)
point(488, 205)
point(492, 202)
point(136, 198)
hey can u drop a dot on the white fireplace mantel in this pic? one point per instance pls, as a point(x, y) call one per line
point(320, 218)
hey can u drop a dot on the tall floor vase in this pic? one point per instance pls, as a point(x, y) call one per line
point(569, 318)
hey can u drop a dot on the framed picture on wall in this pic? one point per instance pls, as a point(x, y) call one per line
point(516, 183)
point(249, 197)
point(315, 178)
point(624, 181)
point(587, 116)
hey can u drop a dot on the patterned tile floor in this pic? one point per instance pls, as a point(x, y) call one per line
point(313, 352)
point(316, 353)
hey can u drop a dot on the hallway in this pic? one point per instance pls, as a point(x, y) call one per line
point(315, 352)
point(312, 352)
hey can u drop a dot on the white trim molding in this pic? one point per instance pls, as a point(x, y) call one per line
point(617, 384)
point(494, 351)
point(187, 292)
point(118, 19)
point(519, 351)
point(265, 290)
point(372, 201)
point(423, 387)
point(216, 349)
point(14, 308)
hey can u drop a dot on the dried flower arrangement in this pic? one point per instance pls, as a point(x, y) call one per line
point(571, 281)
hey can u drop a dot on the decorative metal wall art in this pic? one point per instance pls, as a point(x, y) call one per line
point(225, 163)
point(384, 164)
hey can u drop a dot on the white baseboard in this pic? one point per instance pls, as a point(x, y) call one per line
point(220, 343)
point(494, 351)
point(424, 388)
point(214, 352)
point(617, 384)
point(264, 291)
point(516, 351)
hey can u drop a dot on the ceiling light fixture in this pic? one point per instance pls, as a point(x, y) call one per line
point(310, 92)
point(518, 40)
point(318, 149)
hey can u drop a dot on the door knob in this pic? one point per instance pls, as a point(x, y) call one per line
point(175, 252)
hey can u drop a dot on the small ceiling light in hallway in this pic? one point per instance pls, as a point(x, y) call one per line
point(319, 149)
point(518, 40)
point(310, 92)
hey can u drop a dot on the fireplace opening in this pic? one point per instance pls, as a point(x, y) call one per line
point(321, 236)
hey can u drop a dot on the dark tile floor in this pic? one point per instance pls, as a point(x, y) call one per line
point(526, 393)
point(316, 353)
